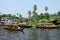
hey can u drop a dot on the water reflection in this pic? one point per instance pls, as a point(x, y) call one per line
point(30, 34)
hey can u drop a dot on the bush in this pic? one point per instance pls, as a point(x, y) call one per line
point(43, 21)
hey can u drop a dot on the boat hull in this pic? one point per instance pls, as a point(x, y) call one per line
point(48, 27)
point(44, 27)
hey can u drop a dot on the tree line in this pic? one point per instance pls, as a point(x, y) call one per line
point(33, 16)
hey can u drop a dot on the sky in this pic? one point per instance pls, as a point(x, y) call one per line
point(23, 6)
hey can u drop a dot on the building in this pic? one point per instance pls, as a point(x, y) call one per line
point(7, 20)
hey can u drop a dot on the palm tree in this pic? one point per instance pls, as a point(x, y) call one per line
point(35, 7)
point(29, 12)
point(46, 9)
point(17, 14)
point(59, 14)
point(35, 15)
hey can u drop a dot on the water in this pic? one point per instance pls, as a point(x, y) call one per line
point(30, 34)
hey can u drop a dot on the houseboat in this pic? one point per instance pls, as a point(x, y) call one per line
point(46, 26)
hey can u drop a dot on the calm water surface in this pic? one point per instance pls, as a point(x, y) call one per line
point(30, 34)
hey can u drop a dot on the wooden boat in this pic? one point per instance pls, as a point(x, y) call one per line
point(46, 26)
point(13, 29)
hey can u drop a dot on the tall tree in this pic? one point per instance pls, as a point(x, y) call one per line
point(4, 15)
point(47, 16)
point(29, 12)
point(20, 18)
point(42, 16)
point(17, 14)
point(35, 15)
point(46, 9)
point(14, 16)
point(59, 14)
point(35, 7)
point(9, 15)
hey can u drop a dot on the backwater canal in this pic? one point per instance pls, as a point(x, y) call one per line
point(30, 34)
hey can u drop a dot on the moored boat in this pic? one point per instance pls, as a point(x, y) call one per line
point(14, 28)
point(46, 26)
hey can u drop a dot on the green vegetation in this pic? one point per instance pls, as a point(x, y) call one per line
point(33, 18)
